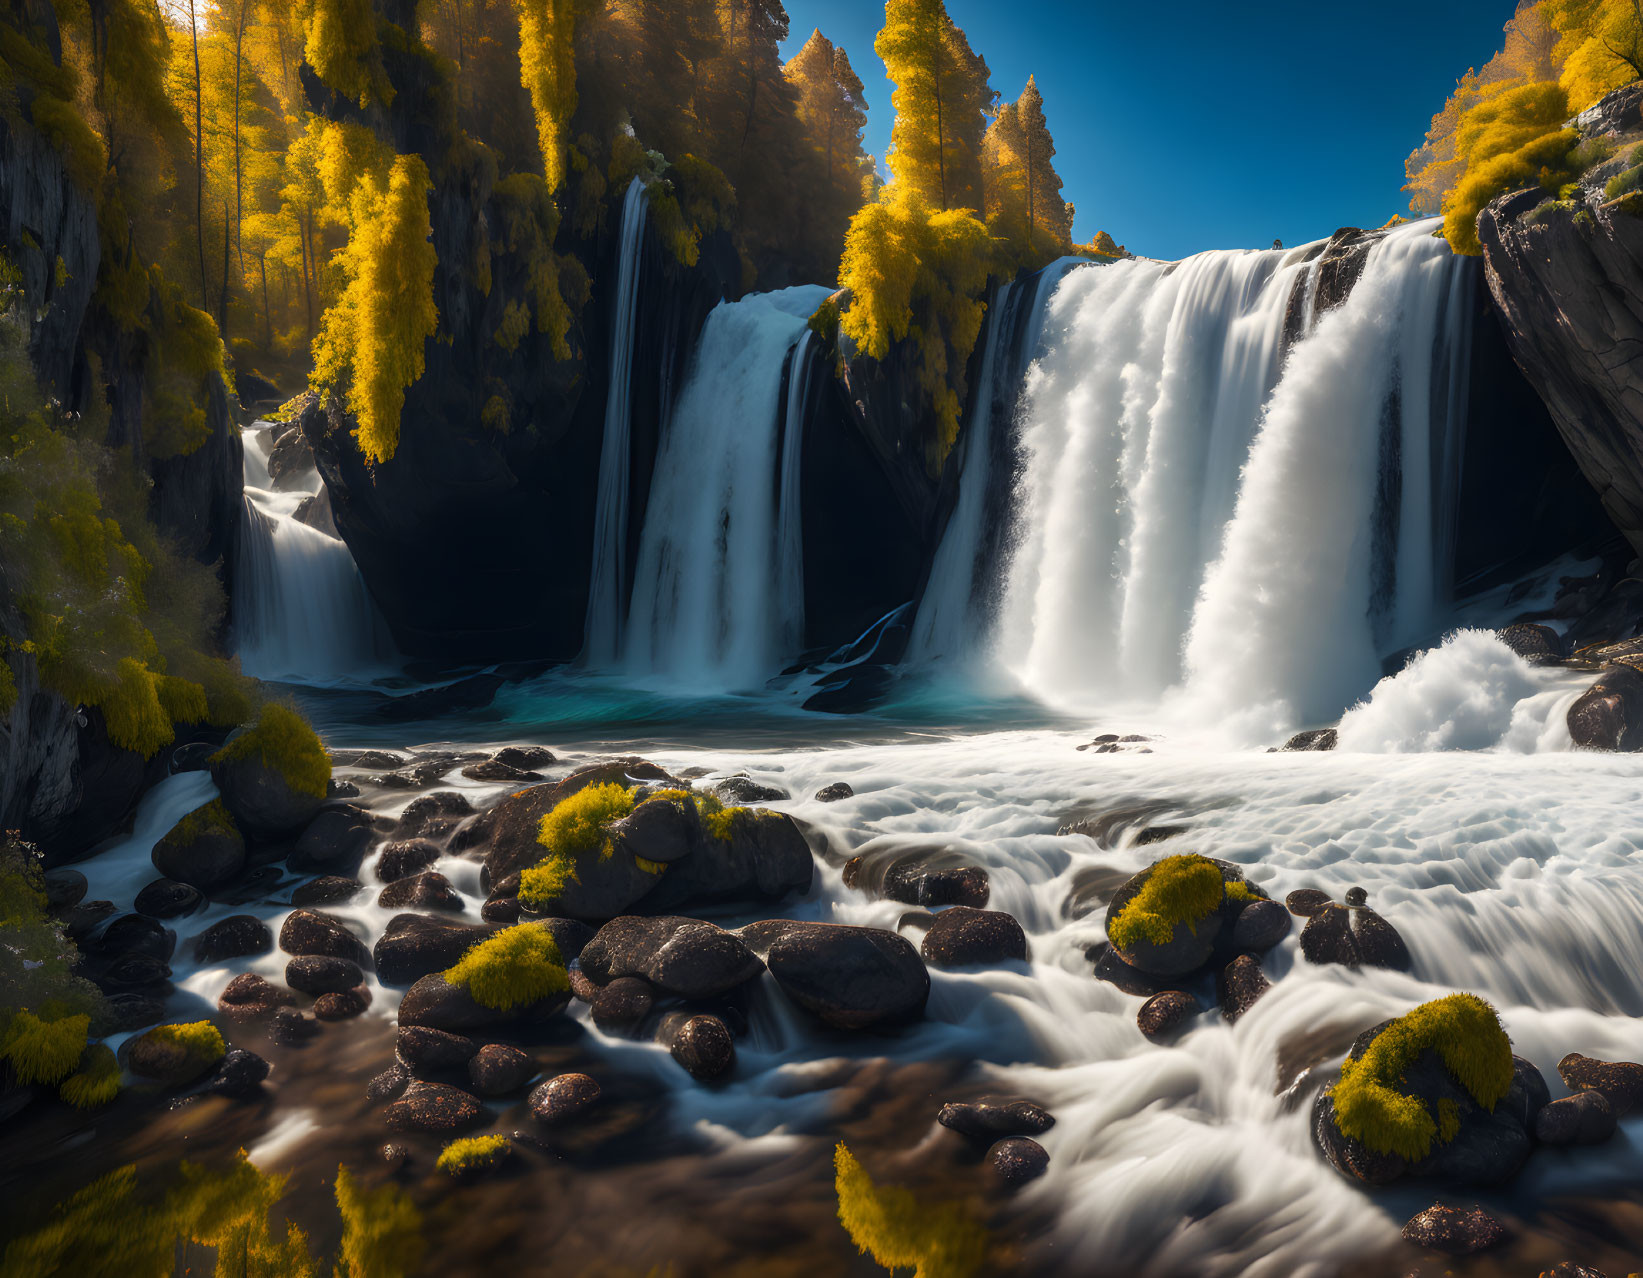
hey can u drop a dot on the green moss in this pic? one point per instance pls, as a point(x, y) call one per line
point(96, 1082)
point(44, 1049)
point(1467, 1036)
point(199, 1041)
point(1181, 889)
point(517, 966)
point(1623, 183)
point(473, 1154)
point(284, 743)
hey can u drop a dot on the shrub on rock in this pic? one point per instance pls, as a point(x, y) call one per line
point(204, 850)
point(274, 774)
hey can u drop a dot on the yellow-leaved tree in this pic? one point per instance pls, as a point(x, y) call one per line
point(1511, 139)
point(342, 48)
point(370, 342)
point(1599, 47)
point(547, 68)
point(1024, 204)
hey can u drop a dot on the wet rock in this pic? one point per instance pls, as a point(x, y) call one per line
point(1018, 1160)
point(240, 1075)
point(435, 1002)
point(395, 1155)
point(168, 899)
point(564, 1099)
point(851, 977)
point(1621, 1082)
point(496, 770)
point(991, 1120)
point(86, 917)
point(204, 850)
point(389, 1084)
point(499, 1070)
point(234, 937)
point(1239, 985)
point(1303, 903)
point(326, 890)
point(131, 936)
point(338, 836)
point(151, 1055)
point(1191, 942)
point(433, 1107)
point(580, 986)
point(703, 1045)
point(525, 757)
point(433, 816)
point(319, 974)
point(375, 760)
point(765, 858)
point(735, 790)
point(683, 957)
point(1316, 739)
point(1260, 926)
point(501, 909)
point(620, 1006)
point(417, 945)
point(1353, 937)
point(130, 1011)
point(1586, 1118)
point(290, 1028)
point(263, 803)
point(405, 857)
point(1454, 1231)
point(342, 1005)
point(834, 792)
point(309, 932)
point(1162, 1014)
point(1109, 966)
point(429, 890)
point(962, 935)
point(423, 1050)
point(1609, 714)
point(913, 884)
point(1571, 1269)
point(65, 888)
point(1356, 896)
point(250, 997)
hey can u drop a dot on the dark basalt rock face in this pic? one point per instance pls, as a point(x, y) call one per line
point(1568, 285)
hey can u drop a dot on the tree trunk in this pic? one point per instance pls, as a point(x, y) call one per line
point(199, 164)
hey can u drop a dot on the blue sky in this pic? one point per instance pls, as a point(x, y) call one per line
point(1190, 124)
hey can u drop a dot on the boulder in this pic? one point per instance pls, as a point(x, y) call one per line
point(1621, 1082)
point(1260, 926)
point(265, 805)
point(1609, 714)
point(309, 932)
point(433, 816)
point(914, 884)
point(682, 957)
point(240, 1076)
point(433, 1107)
point(564, 1099)
point(834, 792)
point(429, 890)
point(328, 889)
point(495, 770)
point(1303, 903)
point(703, 1045)
point(65, 888)
point(417, 945)
point(851, 977)
point(1162, 1014)
point(389, 1084)
point(498, 1069)
point(742, 790)
point(290, 1028)
point(423, 1050)
point(1191, 941)
point(1586, 1118)
point(249, 997)
point(337, 837)
point(1538, 645)
point(204, 850)
point(660, 832)
point(342, 1005)
point(765, 859)
point(962, 936)
point(1109, 966)
point(320, 974)
point(619, 1007)
point(405, 857)
point(1313, 740)
point(991, 1120)
point(1353, 937)
point(1018, 1160)
point(1239, 985)
point(168, 899)
point(234, 937)
point(1455, 1231)
point(437, 1003)
point(167, 1056)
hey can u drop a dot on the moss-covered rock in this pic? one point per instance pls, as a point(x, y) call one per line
point(473, 1156)
point(1434, 1093)
point(517, 967)
point(176, 1054)
point(204, 850)
point(1166, 919)
point(274, 774)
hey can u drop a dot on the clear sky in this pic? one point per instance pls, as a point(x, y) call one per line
point(1194, 124)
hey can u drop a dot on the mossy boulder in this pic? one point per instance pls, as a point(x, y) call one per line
point(1436, 1093)
point(1167, 919)
point(175, 1054)
point(743, 855)
point(515, 974)
point(204, 850)
point(273, 774)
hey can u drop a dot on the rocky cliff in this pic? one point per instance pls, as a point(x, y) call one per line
point(1566, 276)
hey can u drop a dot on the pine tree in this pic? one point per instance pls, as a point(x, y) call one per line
point(547, 68)
point(1024, 204)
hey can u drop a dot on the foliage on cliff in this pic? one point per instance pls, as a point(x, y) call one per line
point(1503, 127)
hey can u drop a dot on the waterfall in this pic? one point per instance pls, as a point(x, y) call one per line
point(953, 615)
point(718, 596)
point(1202, 507)
point(602, 633)
point(301, 610)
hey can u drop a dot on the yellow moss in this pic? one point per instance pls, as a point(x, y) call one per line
point(381, 1230)
point(208, 818)
point(517, 966)
point(473, 1154)
point(96, 1082)
point(44, 1050)
point(1467, 1036)
point(546, 880)
point(183, 700)
point(898, 1231)
point(200, 1041)
point(1181, 889)
point(283, 742)
point(577, 824)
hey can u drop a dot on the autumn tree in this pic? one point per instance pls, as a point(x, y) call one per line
point(942, 100)
point(547, 68)
point(833, 113)
point(1024, 204)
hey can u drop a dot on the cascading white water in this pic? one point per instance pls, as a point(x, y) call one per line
point(1199, 509)
point(718, 596)
point(301, 610)
point(602, 632)
point(789, 524)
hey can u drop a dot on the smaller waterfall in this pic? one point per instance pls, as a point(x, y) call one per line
point(301, 610)
point(953, 616)
point(718, 596)
point(602, 633)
